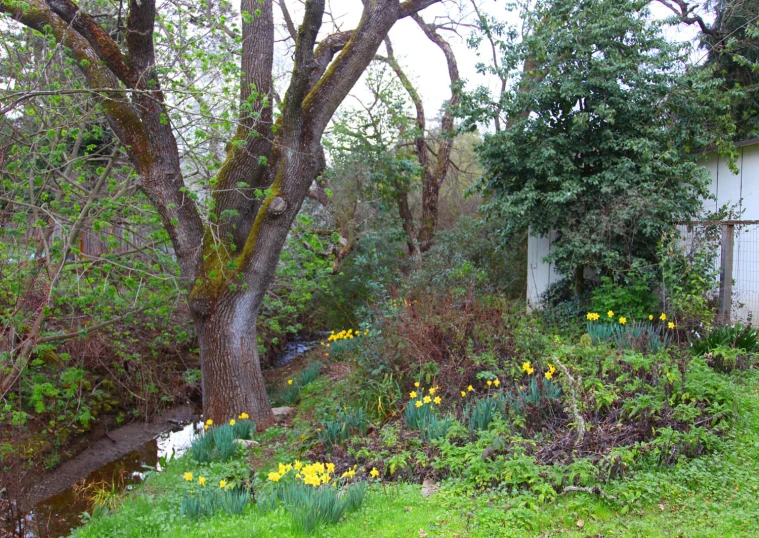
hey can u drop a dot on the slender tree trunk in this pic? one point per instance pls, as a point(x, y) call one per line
point(407, 221)
point(428, 225)
point(579, 280)
point(232, 378)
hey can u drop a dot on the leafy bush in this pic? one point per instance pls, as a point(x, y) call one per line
point(741, 337)
point(634, 296)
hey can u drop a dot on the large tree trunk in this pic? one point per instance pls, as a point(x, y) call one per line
point(226, 267)
point(232, 378)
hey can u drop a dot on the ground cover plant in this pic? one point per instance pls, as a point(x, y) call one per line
point(596, 437)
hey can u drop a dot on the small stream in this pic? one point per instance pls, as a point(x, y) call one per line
point(57, 515)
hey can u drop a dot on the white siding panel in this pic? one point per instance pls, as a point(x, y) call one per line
point(750, 182)
point(728, 185)
point(540, 274)
point(711, 163)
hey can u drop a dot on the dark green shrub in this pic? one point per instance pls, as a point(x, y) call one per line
point(735, 336)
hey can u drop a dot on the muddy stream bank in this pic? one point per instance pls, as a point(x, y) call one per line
point(53, 505)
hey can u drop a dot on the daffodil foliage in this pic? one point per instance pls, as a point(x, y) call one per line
point(604, 119)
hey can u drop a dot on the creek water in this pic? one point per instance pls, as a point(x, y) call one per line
point(60, 513)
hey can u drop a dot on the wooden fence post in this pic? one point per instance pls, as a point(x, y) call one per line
point(726, 273)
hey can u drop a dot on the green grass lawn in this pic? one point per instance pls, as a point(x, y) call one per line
point(716, 495)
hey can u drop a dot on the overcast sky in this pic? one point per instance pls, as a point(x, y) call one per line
point(424, 62)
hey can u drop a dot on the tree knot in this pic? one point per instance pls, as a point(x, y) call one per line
point(277, 206)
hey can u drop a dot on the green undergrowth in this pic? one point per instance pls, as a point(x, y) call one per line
point(711, 495)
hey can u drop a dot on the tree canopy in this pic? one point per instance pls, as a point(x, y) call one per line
point(604, 118)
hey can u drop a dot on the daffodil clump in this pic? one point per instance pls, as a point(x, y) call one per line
point(203, 499)
point(217, 442)
point(348, 334)
point(312, 493)
point(622, 320)
point(313, 474)
point(420, 406)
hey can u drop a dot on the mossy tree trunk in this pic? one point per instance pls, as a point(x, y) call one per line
point(226, 267)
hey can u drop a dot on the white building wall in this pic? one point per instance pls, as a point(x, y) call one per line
point(740, 190)
point(540, 274)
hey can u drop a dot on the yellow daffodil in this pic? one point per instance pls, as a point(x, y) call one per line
point(297, 465)
point(549, 374)
point(432, 390)
point(205, 427)
point(202, 480)
point(610, 313)
point(470, 388)
point(209, 422)
point(623, 320)
point(331, 467)
point(244, 416)
point(521, 387)
point(350, 473)
point(671, 325)
point(418, 403)
point(663, 316)
point(289, 381)
point(497, 383)
point(412, 394)
point(274, 476)
point(188, 476)
point(437, 400)
point(222, 483)
point(463, 394)
point(374, 473)
point(232, 422)
point(416, 384)
point(427, 399)
point(489, 382)
point(650, 317)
